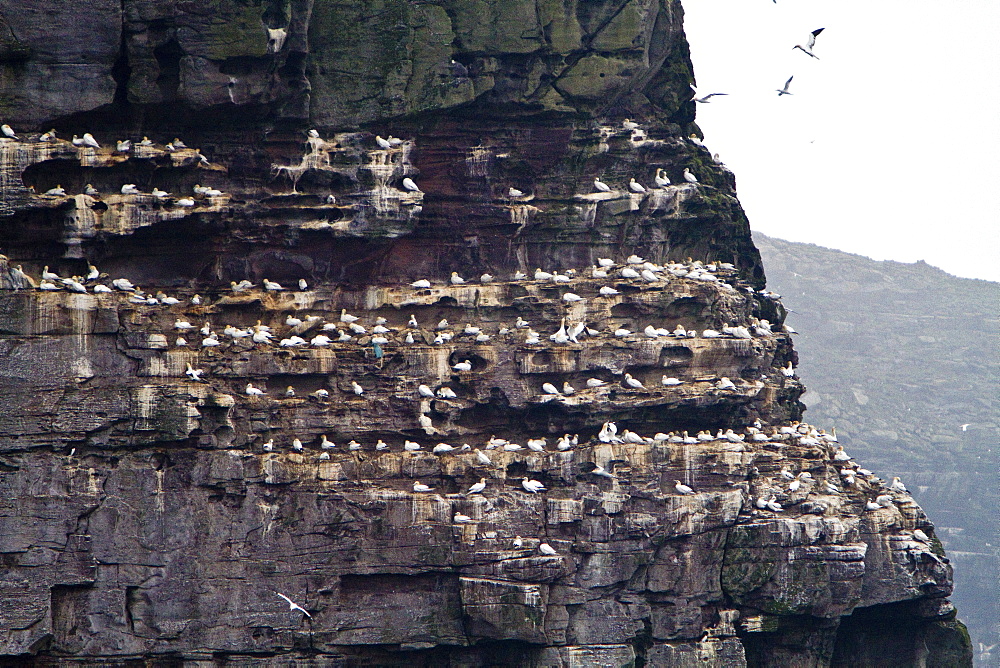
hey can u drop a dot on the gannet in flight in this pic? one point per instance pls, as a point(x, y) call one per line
point(704, 99)
point(784, 91)
point(294, 606)
point(810, 43)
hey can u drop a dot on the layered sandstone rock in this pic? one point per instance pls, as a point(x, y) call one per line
point(149, 515)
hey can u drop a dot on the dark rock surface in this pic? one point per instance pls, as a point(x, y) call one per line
point(148, 515)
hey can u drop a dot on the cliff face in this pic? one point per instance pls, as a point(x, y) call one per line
point(155, 503)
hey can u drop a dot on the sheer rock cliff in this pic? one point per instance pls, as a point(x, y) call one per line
point(651, 495)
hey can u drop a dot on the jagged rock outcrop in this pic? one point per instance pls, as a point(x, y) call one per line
point(161, 493)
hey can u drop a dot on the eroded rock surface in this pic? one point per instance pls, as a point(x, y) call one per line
point(159, 493)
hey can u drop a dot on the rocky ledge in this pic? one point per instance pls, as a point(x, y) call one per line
point(177, 462)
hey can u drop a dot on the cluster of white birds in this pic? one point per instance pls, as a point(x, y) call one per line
point(89, 141)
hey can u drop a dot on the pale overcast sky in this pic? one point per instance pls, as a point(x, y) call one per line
point(890, 144)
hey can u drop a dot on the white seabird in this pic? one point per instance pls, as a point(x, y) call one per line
point(464, 365)
point(547, 550)
point(572, 297)
point(8, 132)
point(661, 179)
point(704, 99)
point(532, 486)
point(456, 279)
point(292, 606)
point(478, 487)
point(253, 391)
point(420, 487)
point(357, 389)
point(689, 177)
point(382, 143)
point(632, 382)
point(88, 140)
point(785, 91)
point(682, 488)
point(810, 43)
point(514, 192)
point(601, 186)
point(410, 185)
point(635, 186)
point(630, 125)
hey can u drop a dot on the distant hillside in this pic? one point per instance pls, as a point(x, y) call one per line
point(898, 357)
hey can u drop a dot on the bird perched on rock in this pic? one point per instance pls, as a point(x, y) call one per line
point(689, 177)
point(464, 365)
point(532, 486)
point(420, 487)
point(600, 186)
point(357, 389)
point(547, 550)
point(253, 391)
point(682, 488)
point(478, 487)
point(410, 185)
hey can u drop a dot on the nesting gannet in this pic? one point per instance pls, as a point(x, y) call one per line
point(271, 286)
point(682, 488)
point(443, 448)
point(292, 606)
point(269, 446)
point(483, 458)
point(459, 518)
point(669, 382)
point(632, 382)
point(897, 485)
point(630, 125)
point(253, 391)
point(420, 487)
point(185, 202)
point(357, 389)
point(725, 384)
point(485, 278)
point(91, 190)
point(514, 192)
point(442, 324)
point(601, 471)
point(601, 186)
point(661, 179)
point(572, 297)
point(549, 388)
point(382, 143)
point(194, 374)
point(547, 550)
point(785, 91)
point(456, 279)
point(921, 536)
point(629, 272)
point(518, 542)
point(8, 132)
point(145, 141)
point(425, 391)
point(689, 177)
point(49, 136)
point(297, 445)
point(88, 140)
point(532, 486)
point(635, 186)
point(411, 446)
point(478, 487)
point(871, 505)
point(446, 393)
point(410, 185)
point(810, 43)
point(464, 365)
point(123, 146)
point(130, 189)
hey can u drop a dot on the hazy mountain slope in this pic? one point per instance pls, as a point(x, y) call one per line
point(898, 357)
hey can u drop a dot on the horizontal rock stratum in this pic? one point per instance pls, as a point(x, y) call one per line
point(357, 387)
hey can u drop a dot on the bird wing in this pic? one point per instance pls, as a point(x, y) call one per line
point(812, 37)
point(711, 95)
point(788, 83)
